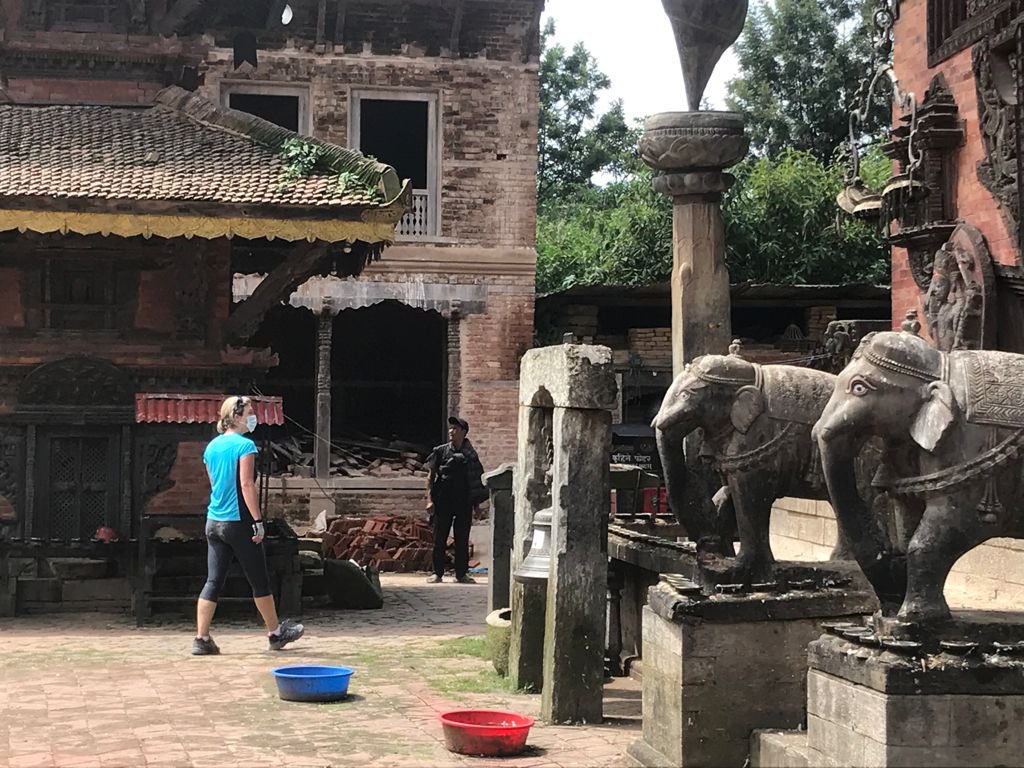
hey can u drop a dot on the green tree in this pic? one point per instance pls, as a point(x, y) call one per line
point(574, 141)
point(782, 224)
point(801, 63)
point(780, 218)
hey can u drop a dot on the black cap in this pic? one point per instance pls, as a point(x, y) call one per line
point(455, 421)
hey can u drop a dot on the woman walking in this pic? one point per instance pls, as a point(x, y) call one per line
point(234, 527)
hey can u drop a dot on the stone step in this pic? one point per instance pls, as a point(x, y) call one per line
point(783, 749)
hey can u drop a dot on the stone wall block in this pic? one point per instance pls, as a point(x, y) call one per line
point(568, 376)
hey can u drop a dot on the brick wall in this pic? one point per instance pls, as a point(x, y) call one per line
point(492, 346)
point(976, 204)
point(488, 157)
point(11, 314)
point(654, 345)
point(155, 302)
point(81, 91)
point(190, 493)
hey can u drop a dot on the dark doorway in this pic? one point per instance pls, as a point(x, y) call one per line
point(395, 132)
point(389, 372)
point(277, 109)
point(77, 483)
point(291, 333)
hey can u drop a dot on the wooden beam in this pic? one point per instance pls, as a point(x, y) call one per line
point(339, 23)
point(300, 265)
point(322, 444)
point(455, 40)
point(177, 15)
point(321, 21)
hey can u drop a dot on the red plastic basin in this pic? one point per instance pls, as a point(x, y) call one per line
point(485, 732)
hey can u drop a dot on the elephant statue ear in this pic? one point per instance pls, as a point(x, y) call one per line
point(746, 407)
point(935, 416)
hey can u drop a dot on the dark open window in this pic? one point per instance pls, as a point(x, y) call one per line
point(946, 20)
point(395, 132)
point(277, 109)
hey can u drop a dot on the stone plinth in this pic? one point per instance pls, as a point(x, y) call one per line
point(868, 706)
point(717, 668)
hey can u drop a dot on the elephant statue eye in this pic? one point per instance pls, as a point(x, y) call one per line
point(859, 387)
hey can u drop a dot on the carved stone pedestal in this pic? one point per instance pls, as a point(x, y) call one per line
point(869, 706)
point(717, 668)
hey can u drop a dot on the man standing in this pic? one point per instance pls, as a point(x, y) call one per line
point(454, 489)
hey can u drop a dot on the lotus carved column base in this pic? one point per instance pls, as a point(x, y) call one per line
point(693, 142)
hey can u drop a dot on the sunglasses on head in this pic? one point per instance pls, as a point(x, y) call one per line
point(240, 403)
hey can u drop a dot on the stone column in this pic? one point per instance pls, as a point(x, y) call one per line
point(321, 446)
point(690, 150)
point(574, 633)
point(566, 396)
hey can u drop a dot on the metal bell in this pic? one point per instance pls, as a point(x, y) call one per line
point(537, 564)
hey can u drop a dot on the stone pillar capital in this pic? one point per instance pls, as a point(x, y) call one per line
point(706, 186)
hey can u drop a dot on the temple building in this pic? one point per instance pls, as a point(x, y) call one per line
point(328, 204)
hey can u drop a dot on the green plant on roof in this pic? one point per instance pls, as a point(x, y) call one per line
point(300, 158)
point(348, 182)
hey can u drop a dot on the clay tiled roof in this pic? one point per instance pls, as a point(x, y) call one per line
point(180, 155)
point(189, 408)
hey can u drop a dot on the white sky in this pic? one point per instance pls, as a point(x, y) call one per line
point(633, 45)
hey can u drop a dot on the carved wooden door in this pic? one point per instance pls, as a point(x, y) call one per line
point(77, 483)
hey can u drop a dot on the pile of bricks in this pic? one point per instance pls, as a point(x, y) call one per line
point(652, 344)
point(390, 543)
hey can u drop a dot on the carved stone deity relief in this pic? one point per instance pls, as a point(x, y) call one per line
point(997, 82)
point(960, 302)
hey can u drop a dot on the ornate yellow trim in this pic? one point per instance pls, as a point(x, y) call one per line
point(209, 227)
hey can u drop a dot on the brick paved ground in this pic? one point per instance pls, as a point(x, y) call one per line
point(92, 690)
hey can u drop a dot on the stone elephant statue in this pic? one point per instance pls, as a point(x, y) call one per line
point(953, 425)
point(756, 422)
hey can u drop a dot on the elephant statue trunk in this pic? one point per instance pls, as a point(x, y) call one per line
point(884, 569)
point(691, 489)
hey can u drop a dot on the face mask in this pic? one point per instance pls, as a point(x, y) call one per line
point(250, 422)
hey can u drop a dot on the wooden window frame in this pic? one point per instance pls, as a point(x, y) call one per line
point(256, 88)
point(434, 149)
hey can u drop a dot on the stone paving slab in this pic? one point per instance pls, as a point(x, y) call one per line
point(93, 690)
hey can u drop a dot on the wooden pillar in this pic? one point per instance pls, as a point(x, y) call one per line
point(454, 365)
point(700, 280)
point(322, 444)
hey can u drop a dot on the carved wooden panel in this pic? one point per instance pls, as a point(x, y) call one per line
point(79, 382)
point(12, 468)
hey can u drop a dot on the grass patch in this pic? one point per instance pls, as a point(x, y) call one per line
point(470, 645)
point(485, 681)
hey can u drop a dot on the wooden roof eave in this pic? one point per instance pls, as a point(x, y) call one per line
point(171, 219)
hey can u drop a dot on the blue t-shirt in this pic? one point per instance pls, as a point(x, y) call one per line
point(221, 458)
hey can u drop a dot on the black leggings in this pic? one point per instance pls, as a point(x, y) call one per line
point(225, 541)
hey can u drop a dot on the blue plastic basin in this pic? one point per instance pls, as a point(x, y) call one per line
point(312, 683)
